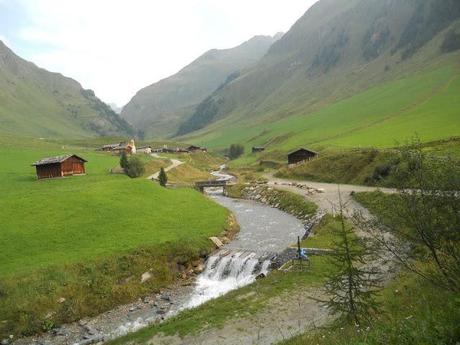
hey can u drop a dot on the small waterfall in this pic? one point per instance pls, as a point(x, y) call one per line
point(226, 271)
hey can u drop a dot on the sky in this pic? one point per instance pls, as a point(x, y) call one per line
point(117, 47)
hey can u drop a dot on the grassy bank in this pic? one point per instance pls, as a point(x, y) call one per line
point(286, 201)
point(239, 304)
point(363, 166)
point(87, 238)
point(413, 312)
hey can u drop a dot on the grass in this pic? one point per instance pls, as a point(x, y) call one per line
point(425, 103)
point(286, 201)
point(240, 303)
point(59, 234)
point(413, 312)
point(362, 166)
point(323, 234)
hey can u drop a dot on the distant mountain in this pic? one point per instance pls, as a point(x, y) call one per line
point(159, 108)
point(340, 49)
point(35, 102)
point(115, 107)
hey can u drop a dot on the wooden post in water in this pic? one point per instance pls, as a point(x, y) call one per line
point(299, 251)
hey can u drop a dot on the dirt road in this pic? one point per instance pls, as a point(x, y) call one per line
point(326, 195)
point(174, 164)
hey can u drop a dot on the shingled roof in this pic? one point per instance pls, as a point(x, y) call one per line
point(55, 159)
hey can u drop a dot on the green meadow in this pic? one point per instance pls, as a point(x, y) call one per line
point(78, 218)
point(87, 237)
point(426, 103)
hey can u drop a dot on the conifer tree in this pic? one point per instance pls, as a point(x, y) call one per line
point(353, 284)
point(124, 160)
point(162, 178)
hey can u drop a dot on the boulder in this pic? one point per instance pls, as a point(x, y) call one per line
point(146, 276)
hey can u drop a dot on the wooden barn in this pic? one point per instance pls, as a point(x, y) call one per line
point(301, 155)
point(60, 166)
point(257, 149)
point(193, 148)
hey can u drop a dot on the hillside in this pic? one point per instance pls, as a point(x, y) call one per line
point(348, 73)
point(35, 102)
point(160, 107)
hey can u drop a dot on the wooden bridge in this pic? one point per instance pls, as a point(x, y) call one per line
point(201, 185)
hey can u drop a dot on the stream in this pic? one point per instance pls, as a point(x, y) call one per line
point(264, 232)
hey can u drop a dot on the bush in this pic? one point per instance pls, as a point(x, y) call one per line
point(235, 151)
point(135, 167)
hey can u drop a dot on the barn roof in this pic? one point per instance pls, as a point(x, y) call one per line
point(56, 159)
point(302, 149)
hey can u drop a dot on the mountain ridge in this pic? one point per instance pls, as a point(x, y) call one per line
point(337, 49)
point(161, 105)
point(37, 102)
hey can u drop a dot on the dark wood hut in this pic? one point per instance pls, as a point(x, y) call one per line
point(301, 155)
point(257, 149)
point(60, 166)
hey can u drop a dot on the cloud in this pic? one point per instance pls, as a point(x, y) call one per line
point(117, 47)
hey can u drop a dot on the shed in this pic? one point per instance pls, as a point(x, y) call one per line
point(193, 148)
point(301, 155)
point(257, 149)
point(60, 166)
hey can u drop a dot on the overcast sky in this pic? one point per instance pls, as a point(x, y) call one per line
point(117, 47)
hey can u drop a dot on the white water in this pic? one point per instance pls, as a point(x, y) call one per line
point(225, 272)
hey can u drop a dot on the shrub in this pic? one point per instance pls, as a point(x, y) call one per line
point(235, 151)
point(135, 167)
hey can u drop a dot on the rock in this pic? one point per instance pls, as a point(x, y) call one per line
point(61, 300)
point(217, 242)
point(199, 269)
point(225, 240)
point(146, 276)
point(260, 276)
point(5, 342)
point(166, 297)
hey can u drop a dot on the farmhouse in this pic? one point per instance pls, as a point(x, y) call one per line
point(129, 148)
point(193, 148)
point(257, 149)
point(144, 149)
point(60, 166)
point(301, 155)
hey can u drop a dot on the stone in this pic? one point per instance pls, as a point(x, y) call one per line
point(260, 276)
point(5, 342)
point(217, 242)
point(146, 276)
point(61, 300)
point(199, 269)
point(166, 297)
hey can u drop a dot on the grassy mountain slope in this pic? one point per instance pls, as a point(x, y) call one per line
point(348, 73)
point(35, 102)
point(159, 108)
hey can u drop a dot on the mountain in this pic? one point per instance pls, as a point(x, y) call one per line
point(115, 107)
point(159, 108)
point(348, 73)
point(35, 102)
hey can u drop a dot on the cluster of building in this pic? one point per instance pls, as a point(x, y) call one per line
point(130, 148)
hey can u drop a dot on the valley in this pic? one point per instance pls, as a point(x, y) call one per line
point(293, 188)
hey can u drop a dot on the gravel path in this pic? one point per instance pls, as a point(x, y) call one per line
point(175, 164)
point(326, 195)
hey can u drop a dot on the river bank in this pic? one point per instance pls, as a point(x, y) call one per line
point(264, 231)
